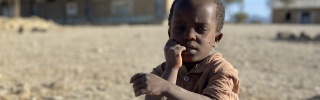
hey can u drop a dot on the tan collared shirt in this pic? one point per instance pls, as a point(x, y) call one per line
point(213, 77)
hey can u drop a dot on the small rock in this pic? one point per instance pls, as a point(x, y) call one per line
point(55, 85)
point(22, 91)
point(286, 36)
point(304, 37)
point(18, 88)
point(101, 88)
point(48, 85)
point(20, 30)
point(40, 30)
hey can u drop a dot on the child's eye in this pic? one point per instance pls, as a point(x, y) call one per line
point(201, 29)
point(178, 28)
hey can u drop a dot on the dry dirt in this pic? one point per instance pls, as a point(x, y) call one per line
point(96, 62)
point(28, 24)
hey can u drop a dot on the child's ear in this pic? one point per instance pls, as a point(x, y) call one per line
point(217, 38)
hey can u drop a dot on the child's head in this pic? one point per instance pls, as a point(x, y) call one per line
point(196, 24)
point(220, 12)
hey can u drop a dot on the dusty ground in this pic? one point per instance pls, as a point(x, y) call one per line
point(29, 24)
point(95, 63)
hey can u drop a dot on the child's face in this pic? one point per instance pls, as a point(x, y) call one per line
point(193, 25)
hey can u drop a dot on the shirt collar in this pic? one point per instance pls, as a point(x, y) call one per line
point(201, 67)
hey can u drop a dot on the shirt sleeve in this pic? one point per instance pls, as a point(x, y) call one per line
point(223, 85)
point(158, 70)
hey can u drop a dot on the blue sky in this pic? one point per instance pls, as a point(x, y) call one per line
point(252, 7)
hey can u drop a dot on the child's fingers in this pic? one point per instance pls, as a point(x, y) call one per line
point(140, 92)
point(134, 77)
point(139, 86)
point(139, 81)
point(179, 49)
point(170, 43)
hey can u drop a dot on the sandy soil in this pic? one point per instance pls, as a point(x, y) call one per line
point(95, 63)
point(29, 24)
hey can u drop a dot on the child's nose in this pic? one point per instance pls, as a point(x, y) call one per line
point(190, 34)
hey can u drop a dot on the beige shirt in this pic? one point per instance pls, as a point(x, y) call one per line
point(213, 77)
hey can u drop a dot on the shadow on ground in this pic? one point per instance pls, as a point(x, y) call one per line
point(317, 97)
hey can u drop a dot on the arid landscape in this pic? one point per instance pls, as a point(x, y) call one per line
point(96, 62)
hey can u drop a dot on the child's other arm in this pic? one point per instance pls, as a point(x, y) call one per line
point(172, 52)
point(175, 92)
point(170, 75)
point(156, 88)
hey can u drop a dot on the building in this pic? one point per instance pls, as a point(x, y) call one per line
point(93, 11)
point(298, 11)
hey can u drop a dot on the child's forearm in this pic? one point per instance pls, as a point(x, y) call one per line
point(149, 97)
point(175, 92)
point(170, 74)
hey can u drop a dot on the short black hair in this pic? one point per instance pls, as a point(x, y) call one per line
point(220, 13)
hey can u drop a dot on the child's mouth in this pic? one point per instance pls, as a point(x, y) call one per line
point(190, 47)
point(189, 50)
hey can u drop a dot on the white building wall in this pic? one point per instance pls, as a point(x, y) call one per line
point(296, 4)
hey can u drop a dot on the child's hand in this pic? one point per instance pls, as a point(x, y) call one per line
point(149, 84)
point(172, 52)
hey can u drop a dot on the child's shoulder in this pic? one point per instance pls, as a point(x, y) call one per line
point(219, 64)
point(159, 69)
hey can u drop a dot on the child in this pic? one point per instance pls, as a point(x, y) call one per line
point(193, 69)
